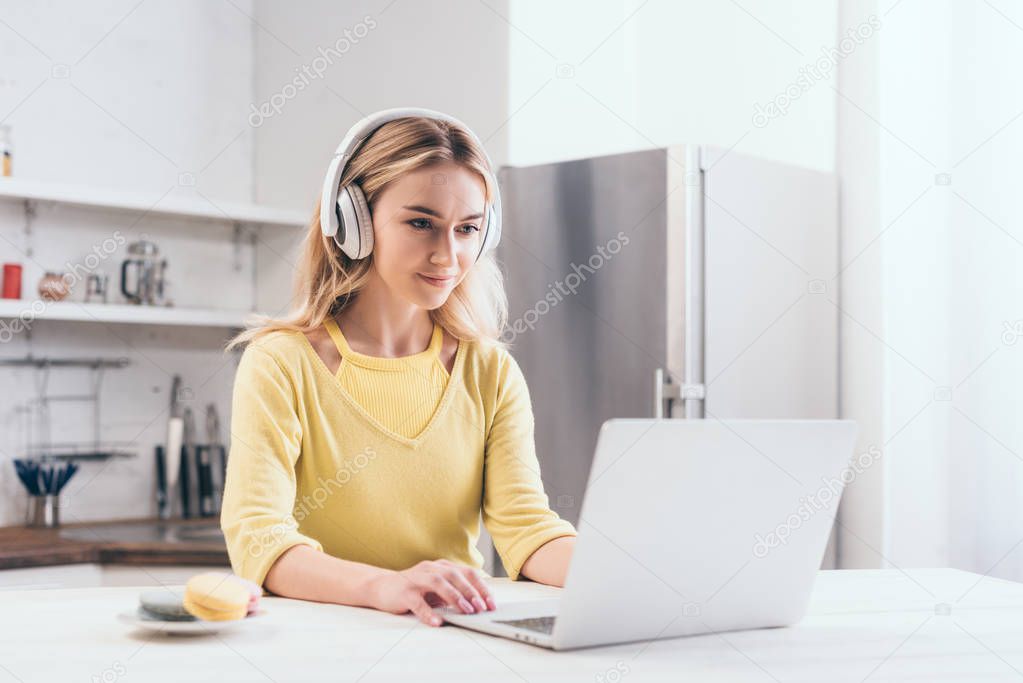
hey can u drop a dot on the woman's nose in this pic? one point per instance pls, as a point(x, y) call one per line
point(446, 249)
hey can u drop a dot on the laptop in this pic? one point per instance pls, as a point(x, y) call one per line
point(691, 527)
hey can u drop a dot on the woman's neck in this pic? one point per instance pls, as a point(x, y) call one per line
point(375, 323)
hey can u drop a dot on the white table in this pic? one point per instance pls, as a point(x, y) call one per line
point(878, 625)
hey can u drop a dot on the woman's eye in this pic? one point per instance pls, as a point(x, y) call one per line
point(424, 224)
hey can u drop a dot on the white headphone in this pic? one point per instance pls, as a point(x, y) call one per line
point(344, 212)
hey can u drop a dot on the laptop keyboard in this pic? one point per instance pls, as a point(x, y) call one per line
point(539, 624)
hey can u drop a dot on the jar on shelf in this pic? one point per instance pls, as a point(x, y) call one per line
point(53, 287)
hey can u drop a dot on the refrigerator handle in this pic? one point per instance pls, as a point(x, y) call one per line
point(659, 393)
point(667, 391)
point(689, 389)
point(692, 389)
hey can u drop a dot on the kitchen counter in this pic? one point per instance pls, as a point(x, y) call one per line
point(924, 624)
point(133, 542)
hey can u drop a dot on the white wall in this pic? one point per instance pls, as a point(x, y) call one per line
point(635, 75)
point(122, 95)
point(954, 266)
point(129, 95)
point(933, 301)
point(861, 538)
point(452, 57)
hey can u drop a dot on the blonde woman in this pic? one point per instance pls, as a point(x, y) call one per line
point(376, 425)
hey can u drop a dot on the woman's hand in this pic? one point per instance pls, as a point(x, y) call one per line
point(429, 584)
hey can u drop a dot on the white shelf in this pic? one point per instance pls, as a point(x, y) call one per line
point(32, 310)
point(195, 207)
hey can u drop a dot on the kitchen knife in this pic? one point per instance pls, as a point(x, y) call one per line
point(172, 454)
point(187, 457)
point(202, 457)
point(217, 455)
point(162, 508)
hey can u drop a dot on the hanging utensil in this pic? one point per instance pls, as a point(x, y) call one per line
point(186, 459)
point(44, 482)
point(162, 502)
point(218, 454)
point(172, 453)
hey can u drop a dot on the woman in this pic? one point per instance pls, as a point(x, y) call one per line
point(375, 426)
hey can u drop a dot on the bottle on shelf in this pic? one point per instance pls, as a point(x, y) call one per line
point(6, 152)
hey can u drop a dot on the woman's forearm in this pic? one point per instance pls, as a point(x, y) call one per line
point(305, 573)
point(549, 563)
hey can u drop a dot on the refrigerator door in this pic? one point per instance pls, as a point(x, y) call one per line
point(771, 262)
point(592, 273)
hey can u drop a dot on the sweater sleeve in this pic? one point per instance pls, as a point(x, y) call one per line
point(259, 490)
point(516, 510)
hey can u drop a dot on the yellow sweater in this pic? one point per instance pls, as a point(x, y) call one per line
point(310, 464)
point(401, 393)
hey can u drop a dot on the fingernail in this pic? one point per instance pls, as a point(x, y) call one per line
point(491, 603)
point(479, 604)
point(466, 607)
point(435, 621)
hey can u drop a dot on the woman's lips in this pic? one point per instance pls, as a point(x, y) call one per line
point(438, 282)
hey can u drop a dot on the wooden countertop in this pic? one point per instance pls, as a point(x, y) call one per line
point(22, 546)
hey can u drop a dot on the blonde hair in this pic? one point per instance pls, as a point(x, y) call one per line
point(326, 279)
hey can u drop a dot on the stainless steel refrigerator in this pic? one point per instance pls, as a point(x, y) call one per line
point(686, 282)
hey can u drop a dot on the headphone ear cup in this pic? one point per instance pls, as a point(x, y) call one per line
point(488, 224)
point(493, 228)
point(355, 228)
point(491, 231)
point(365, 220)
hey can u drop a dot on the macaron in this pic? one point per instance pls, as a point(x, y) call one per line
point(165, 605)
point(220, 596)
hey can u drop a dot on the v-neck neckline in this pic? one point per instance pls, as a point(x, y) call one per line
point(350, 355)
point(413, 442)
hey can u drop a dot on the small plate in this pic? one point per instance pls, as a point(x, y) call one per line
point(198, 627)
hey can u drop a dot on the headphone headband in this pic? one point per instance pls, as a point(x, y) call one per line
point(339, 206)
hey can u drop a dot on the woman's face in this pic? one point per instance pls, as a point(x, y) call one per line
point(428, 224)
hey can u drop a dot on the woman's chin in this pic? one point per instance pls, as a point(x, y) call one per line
point(431, 296)
point(430, 300)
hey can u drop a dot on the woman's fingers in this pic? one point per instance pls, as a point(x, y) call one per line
point(444, 582)
point(470, 582)
point(459, 577)
point(422, 610)
point(476, 579)
point(441, 586)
